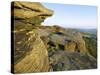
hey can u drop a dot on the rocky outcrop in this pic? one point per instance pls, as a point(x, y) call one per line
point(91, 44)
point(45, 48)
point(71, 46)
point(67, 49)
point(81, 43)
point(69, 40)
point(30, 53)
point(62, 61)
point(28, 12)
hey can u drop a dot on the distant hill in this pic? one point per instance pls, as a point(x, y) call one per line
point(92, 31)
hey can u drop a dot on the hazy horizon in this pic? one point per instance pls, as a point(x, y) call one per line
point(72, 16)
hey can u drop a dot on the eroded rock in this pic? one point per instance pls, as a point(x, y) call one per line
point(45, 48)
point(30, 53)
point(30, 12)
point(62, 61)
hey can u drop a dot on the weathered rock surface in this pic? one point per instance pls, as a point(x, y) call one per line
point(62, 61)
point(67, 49)
point(46, 48)
point(30, 53)
point(28, 12)
point(71, 46)
point(70, 40)
point(91, 44)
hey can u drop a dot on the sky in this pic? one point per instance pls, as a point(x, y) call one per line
point(72, 16)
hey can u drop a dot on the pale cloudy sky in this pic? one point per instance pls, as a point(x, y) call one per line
point(73, 16)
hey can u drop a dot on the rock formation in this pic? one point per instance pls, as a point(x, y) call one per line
point(62, 61)
point(28, 12)
point(30, 53)
point(70, 40)
point(40, 48)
